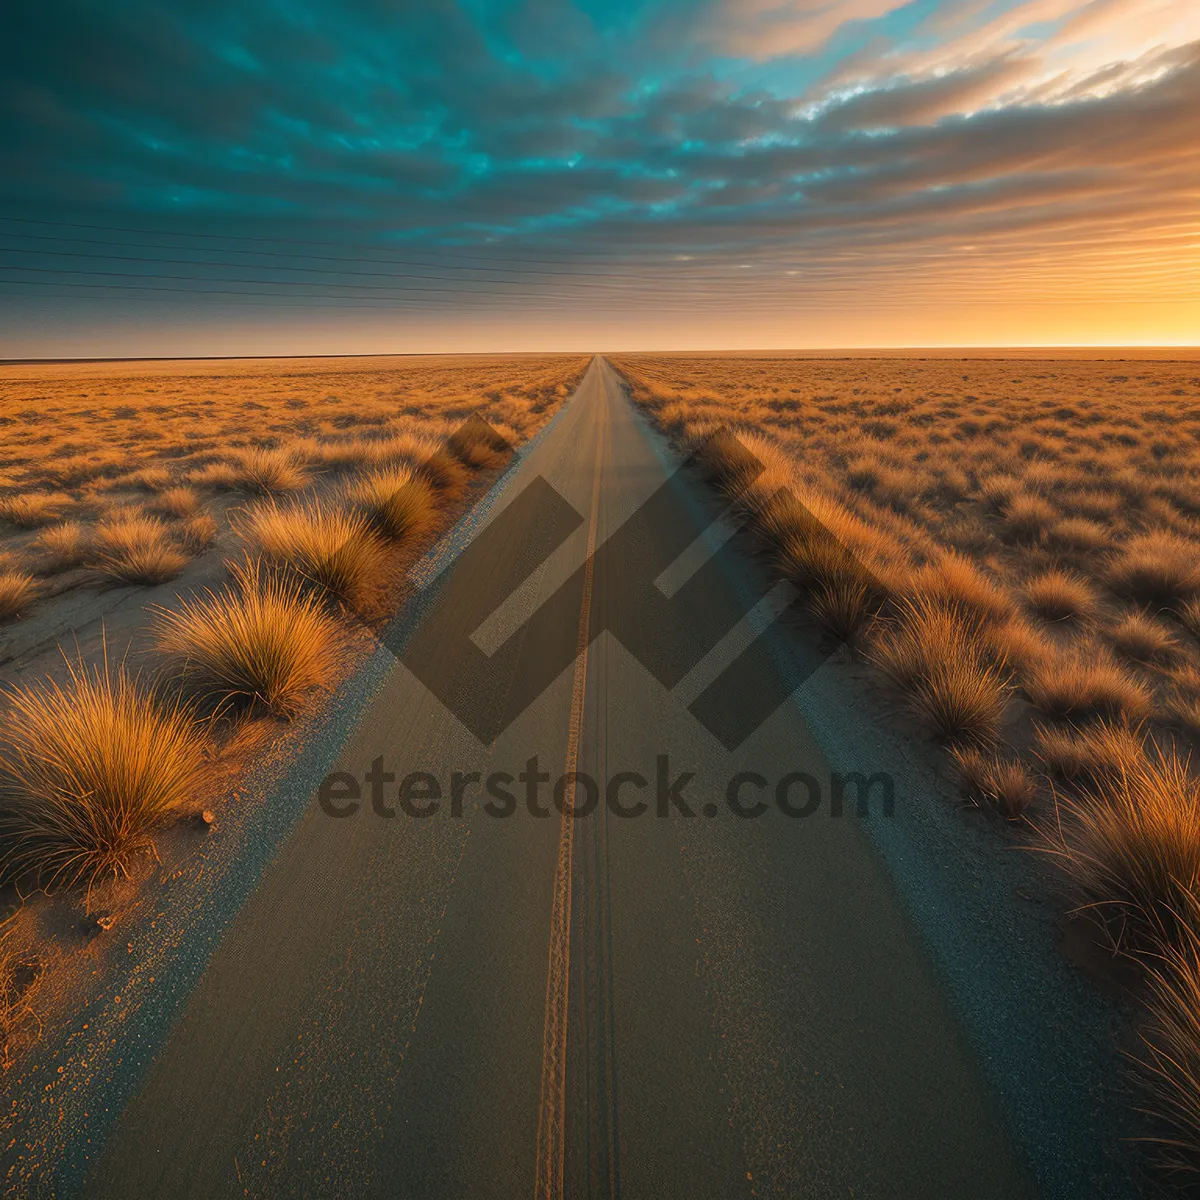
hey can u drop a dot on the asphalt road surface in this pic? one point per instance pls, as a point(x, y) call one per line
point(655, 1006)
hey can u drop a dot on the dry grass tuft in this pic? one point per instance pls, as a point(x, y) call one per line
point(88, 771)
point(62, 547)
point(1079, 534)
point(1189, 616)
point(445, 473)
point(955, 581)
point(1079, 687)
point(29, 510)
point(17, 592)
point(1004, 784)
point(1134, 853)
point(1157, 568)
point(265, 642)
point(933, 654)
point(398, 502)
point(196, 533)
point(176, 502)
point(331, 549)
point(1028, 518)
point(257, 471)
point(1092, 756)
point(478, 446)
point(135, 549)
point(1143, 639)
point(1170, 1060)
point(1057, 595)
point(845, 607)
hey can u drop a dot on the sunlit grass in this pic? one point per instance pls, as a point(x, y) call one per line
point(89, 770)
point(264, 642)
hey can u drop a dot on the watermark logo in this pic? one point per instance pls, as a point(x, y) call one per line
point(668, 634)
point(625, 794)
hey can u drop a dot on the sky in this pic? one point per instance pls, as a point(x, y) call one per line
point(372, 176)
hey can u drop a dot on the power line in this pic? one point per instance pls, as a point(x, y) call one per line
point(231, 237)
point(311, 257)
point(192, 262)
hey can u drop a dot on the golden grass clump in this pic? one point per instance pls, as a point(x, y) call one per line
point(332, 549)
point(61, 547)
point(265, 642)
point(934, 655)
point(1079, 535)
point(29, 510)
point(1004, 783)
point(18, 591)
point(89, 769)
point(1133, 853)
point(446, 474)
point(176, 502)
point(1157, 568)
point(1189, 616)
point(1142, 638)
point(133, 548)
point(956, 582)
point(1170, 1055)
point(397, 501)
point(1058, 595)
point(1089, 756)
point(196, 533)
point(1082, 686)
point(257, 470)
point(1028, 517)
point(478, 446)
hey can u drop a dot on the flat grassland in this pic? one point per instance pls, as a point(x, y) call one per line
point(191, 553)
point(1013, 545)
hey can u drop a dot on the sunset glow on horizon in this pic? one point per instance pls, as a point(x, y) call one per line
point(569, 174)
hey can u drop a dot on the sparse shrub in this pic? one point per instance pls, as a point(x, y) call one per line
point(1060, 596)
point(263, 642)
point(89, 770)
point(135, 549)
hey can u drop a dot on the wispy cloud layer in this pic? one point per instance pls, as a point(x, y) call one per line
point(748, 156)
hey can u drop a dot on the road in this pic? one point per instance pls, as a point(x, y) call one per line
point(651, 1007)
